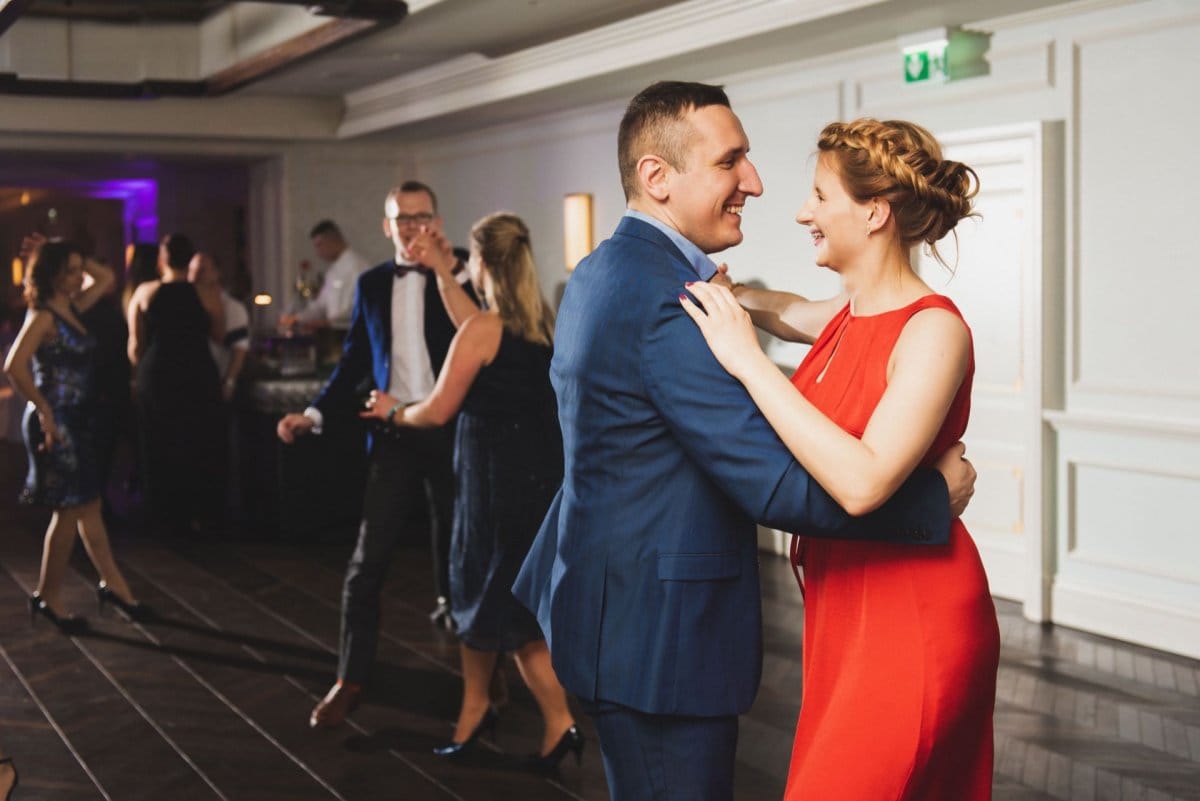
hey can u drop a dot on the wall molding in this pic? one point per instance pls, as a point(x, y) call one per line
point(1119, 25)
point(1071, 552)
point(1015, 68)
point(1127, 617)
point(1122, 423)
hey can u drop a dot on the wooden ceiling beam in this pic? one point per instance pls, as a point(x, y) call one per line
point(287, 54)
point(10, 10)
point(299, 48)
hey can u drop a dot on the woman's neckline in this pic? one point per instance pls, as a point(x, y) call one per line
point(80, 329)
point(850, 308)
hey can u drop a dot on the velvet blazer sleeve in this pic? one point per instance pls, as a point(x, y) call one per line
point(349, 380)
point(721, 429)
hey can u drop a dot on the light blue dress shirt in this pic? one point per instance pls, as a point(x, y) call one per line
point(705, 267)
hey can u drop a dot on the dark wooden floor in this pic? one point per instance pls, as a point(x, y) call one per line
point(212, 701)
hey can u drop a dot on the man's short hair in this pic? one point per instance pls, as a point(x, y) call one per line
point(652, 125)
point(326, 228)
point(179, 250)
point(414, 186)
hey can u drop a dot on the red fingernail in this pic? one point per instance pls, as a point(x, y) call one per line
point(682, 296)
point(689, 283)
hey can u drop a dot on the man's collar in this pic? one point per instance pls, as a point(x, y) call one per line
point(700, 262)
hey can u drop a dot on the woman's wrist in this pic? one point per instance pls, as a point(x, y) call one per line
point(754, 367)
point(392, 412)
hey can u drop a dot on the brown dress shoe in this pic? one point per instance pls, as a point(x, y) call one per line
point(335, 706)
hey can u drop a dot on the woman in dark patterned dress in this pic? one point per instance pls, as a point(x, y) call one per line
point(508, 464)
point(51, 364)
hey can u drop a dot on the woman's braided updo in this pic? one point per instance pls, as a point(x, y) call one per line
point(902, 163)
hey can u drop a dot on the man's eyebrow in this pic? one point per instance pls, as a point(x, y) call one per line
point(733, 153)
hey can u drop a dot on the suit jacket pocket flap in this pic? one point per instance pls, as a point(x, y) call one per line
point(699, 566)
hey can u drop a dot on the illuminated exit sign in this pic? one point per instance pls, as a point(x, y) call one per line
point(926, 64)
point(944, 54)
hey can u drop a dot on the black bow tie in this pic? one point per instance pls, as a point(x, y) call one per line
point(404, 269)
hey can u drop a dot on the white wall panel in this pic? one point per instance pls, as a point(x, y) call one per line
point(1128, 558)
point(1016, 68)
point(346, 185)
point(1116, 520)
point(527, 169)
point(1136, 333)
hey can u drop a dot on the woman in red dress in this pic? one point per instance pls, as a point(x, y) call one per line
point(901, 643)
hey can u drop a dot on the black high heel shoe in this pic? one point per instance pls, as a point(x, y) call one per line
point(137, 611)
point(453, 749)
point(572, 740)
point(16, 779)
point(67, 624)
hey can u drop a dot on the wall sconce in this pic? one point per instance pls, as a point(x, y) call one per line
point(18, 271)
point(258, 313)
point(577, 227)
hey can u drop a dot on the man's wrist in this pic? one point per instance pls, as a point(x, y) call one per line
point(318, 420)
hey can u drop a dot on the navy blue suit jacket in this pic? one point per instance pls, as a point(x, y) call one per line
point(644, 575)
point(367, 351)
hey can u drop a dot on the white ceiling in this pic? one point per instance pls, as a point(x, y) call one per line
point(454, 64)
point(441, 30)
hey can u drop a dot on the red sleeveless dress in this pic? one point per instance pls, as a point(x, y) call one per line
point(901, 643)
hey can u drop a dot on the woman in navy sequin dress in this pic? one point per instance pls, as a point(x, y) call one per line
point(508, 461)
point(51, 365)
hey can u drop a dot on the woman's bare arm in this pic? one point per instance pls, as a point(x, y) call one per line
point(927, 367)
point(473, 347)
point(135, 317)
point(38, 327)
point(790, 317)
point(102, 281)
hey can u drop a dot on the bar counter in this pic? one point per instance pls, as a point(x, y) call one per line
point(311, 490)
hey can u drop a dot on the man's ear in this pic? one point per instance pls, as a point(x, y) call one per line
point(653, 174)
point(387, 229)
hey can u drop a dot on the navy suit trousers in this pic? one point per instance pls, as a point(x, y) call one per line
point(407, 469)
point(665, 757)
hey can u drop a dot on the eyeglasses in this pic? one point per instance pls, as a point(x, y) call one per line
point(424, 218)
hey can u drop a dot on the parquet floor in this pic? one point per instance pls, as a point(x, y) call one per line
point(212, 700)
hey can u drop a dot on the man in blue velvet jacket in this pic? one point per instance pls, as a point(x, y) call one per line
point(398, 339)
point(644, 575)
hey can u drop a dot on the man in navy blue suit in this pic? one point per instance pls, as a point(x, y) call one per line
point(399, 335)
point(644, 575)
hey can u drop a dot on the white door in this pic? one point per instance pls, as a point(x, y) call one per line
point(998, 285)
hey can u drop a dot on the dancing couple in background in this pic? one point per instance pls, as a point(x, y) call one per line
point(644, 575)
point(450, 375)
